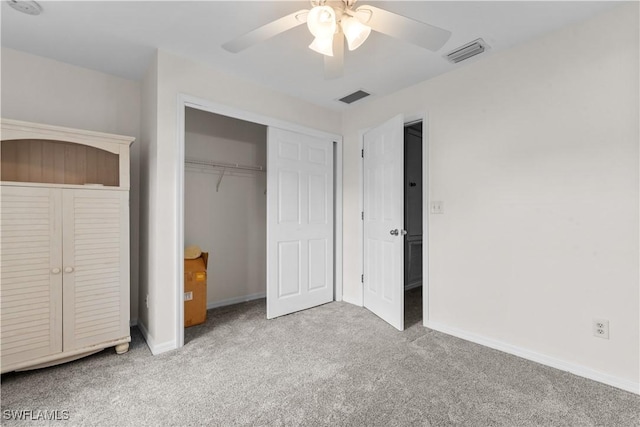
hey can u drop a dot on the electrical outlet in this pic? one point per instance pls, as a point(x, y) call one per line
point(601, 328)
point(437, 207)
point(188, 296)
point(146, 300)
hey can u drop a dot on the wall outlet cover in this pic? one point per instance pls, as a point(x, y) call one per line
point(601, 328)
point(437, 207)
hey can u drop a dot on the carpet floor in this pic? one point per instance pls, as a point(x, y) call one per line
point(336, 364)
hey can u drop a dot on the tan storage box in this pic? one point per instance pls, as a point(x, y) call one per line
point(195, 290)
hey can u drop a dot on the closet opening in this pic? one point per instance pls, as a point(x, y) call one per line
point(413, 219)
point(225, 209)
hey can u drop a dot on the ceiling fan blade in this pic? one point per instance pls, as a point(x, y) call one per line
point(407, 29)
point(267, 31)
point(334, 65)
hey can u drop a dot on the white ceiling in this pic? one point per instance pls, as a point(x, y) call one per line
point(120, 37)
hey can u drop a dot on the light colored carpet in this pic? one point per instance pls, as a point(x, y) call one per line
point(332, 365)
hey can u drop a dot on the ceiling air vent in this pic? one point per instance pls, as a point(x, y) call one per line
point(467, 51)
point(355, 96)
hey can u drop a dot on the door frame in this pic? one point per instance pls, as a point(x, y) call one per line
point(185, 101)
point(408, 119)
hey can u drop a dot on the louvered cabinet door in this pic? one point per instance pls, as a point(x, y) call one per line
point(31, 278)
point(96, 266)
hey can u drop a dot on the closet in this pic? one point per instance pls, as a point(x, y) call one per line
point(65, 244)
point(225, 203)
point(413, 205)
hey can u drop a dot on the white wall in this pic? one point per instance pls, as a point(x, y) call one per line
point(148, 154)
point(231, 223)
point(534, 152)
point(42, 90)
point(176, 76)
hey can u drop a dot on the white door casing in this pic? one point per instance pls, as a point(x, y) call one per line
point(299, 222)
point(383, 202)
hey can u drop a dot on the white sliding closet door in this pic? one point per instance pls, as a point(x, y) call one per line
point(299, 222)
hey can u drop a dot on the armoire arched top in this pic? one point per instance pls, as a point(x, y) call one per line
point(29, 142)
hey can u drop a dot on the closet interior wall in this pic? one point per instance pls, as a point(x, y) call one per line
point(225, 207)
point(413, 192)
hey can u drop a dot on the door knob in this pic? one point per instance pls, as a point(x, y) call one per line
point(68, 269)
point(394, 232)
point(55, 271)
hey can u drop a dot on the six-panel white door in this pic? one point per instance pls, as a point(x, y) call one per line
point(384, 220)
point(299, 222)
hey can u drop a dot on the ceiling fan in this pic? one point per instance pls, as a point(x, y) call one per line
point(330, 22)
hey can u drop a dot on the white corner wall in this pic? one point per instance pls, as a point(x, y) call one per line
point(148, 235)
point(175, 76)
point(535, 153)
point(42, 90)
point(229, 222)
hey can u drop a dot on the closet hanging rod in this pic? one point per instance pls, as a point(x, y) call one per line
point(198, 162)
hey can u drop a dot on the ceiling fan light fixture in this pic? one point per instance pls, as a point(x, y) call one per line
point(354, 31)
point(323, 45)
point(363, 14)
point(322, 21)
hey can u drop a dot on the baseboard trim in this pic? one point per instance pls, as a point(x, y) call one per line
point(133, 322)
point(354, 301)
point(153, 347)
point(235, 300)
point(579, 370)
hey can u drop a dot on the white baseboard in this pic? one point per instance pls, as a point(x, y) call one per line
point(579, 370)
point(155, 348)
point(236, 300)
point(353, 301)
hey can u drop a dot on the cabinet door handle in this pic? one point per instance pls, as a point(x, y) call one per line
point(55, 270)
point(68, 269)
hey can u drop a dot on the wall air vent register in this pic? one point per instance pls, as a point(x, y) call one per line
point(353, 97)
point(461, 53)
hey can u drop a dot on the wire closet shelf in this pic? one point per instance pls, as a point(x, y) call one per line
point(223, 165)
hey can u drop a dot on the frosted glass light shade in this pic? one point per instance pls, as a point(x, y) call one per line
point(322, 21)
point(354, 31)
point(323, 45)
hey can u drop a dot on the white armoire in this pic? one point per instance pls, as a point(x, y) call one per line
point(64, 224)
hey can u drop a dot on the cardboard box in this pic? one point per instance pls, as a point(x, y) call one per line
point(195, 290)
